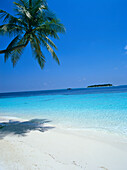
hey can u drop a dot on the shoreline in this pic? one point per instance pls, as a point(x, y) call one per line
point(71, 128)
point(62, 149)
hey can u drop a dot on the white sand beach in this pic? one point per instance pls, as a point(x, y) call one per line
point(61, 149)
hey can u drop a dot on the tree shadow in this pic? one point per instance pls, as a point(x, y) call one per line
point(21, 128)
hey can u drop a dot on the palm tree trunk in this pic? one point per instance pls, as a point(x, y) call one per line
point(14, 48)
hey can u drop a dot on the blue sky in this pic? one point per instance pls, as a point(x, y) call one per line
point(92, 51)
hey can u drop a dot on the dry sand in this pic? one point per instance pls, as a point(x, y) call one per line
point(62, 149)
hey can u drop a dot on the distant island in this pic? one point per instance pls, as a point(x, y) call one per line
point(100, 85)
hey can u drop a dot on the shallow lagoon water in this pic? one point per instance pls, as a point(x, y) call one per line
point(98, 108)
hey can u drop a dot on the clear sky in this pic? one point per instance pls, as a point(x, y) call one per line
point(92, 51)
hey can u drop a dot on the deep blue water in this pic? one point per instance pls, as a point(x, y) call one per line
point(90, 108)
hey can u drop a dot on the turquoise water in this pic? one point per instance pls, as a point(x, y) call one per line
point(100, 111)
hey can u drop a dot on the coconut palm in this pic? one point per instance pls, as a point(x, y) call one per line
point(35, 23)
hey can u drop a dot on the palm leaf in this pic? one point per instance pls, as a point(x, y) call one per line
point(8, 50)
point(39, 5)
point(35, 44)
point(23, 3)
point(23, 10)
point(49, 48)
point(11, 29)
point(11, 19)
point(48, 40)
point(15, 54)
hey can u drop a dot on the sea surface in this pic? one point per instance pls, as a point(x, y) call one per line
point(103, 108)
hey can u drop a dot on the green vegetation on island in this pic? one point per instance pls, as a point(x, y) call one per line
point(100, 85)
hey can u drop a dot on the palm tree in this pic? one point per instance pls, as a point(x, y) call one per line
point(34, 23)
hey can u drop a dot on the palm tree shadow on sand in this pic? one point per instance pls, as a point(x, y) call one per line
point(22, 128)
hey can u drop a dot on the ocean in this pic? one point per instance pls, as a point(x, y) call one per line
point(103, 108)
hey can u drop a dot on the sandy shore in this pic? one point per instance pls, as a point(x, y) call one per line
point(59, 149)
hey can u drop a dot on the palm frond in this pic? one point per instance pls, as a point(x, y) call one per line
point(38, 6)
point(15, 54)
point(35, 45)
point(8, 50)
point(49, 48)
point(47, 32)
point(56, 26)
point(48, 40)
point(24, 3)
point(23, 10)
point(5, 15)
point(11, 29)
point(10, 19)
point(51, 29)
